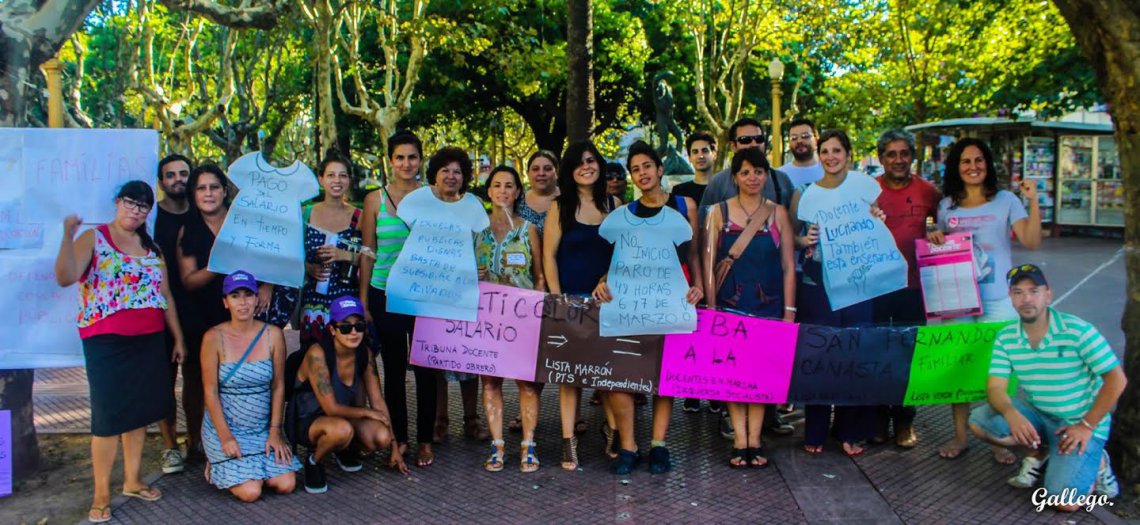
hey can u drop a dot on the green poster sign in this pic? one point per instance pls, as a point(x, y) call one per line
point(951, 363)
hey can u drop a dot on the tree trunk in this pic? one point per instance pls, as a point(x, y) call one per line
point(322, 44)
point(1108, 32)
point(580, 77)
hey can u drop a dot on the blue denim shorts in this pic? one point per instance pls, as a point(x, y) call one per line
point(1064, 471)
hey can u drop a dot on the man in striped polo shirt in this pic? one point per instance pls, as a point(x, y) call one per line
point(1071, 381)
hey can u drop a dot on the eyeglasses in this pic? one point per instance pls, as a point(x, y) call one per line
point(135, 206)
point(749, 139)
point(807, 135)
point(348, 328)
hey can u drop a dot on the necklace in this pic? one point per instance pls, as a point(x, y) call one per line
point(748, 219)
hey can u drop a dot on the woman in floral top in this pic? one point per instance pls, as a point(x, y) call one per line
point(509, 253)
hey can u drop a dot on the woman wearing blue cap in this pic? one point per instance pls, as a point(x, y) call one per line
point(243, 364)
point(325, 413)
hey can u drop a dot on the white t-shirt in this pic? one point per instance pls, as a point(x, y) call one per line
point(645, 276)
point(263, 232)
point(990, 223)
point(803, 175)
point(435, 274)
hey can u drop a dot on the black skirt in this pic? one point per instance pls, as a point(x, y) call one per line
point(129, 381)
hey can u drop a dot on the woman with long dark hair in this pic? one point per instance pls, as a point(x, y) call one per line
point(332, 247)
point(576, 257)
point(208, 187)
point(337, 408)
point(509, 252)
point(973, 203)
point(125, 308)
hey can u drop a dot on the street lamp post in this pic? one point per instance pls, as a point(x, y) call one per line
point(776, 73)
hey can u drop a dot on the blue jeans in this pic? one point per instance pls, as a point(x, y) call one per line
point(1064, 471)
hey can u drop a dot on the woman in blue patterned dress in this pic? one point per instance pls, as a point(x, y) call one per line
point(332, 248)
point(243, 363)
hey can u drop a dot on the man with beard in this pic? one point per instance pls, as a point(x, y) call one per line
point(173, 174)
point(701, 148)
point(907, 202)
point(1071, 381)
point(804, 167)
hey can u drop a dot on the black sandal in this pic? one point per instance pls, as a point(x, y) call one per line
point(755, 454)
point(739, 458)
point(570, 453)
point(609, 440)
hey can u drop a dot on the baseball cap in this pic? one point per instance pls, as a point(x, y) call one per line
point(344, 306)
point(1026, 271)
point(237, 280)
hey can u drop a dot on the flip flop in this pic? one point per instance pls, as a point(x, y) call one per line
point(145, 494)
point(104, 514)
point(814, 450)
point(959, 452)
point(425, 460)
point(739, 458)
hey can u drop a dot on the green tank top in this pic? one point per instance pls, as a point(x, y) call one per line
point(391, 233)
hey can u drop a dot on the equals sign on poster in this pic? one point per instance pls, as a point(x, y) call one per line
point(627, 352)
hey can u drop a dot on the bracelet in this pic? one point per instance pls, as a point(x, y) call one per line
point(1087, 424)
point(790, 308)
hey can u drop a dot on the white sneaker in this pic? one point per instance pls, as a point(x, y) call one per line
point(1030, 474)
point(171, 461)
point(1106, 484)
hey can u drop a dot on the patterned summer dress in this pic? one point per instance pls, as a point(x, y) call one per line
point(246, 401)
point(314, 305)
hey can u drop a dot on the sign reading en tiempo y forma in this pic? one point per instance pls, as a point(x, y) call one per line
point(948, 277)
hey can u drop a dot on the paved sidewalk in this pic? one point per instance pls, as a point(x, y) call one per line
point(887, 485)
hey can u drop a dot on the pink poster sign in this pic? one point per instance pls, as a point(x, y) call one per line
point(730, 357)
point(5, 453)
point(949, 277)
point(502, 341)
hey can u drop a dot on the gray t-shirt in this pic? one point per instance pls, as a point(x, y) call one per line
point(801, 175)
point(721, 188)
point(990, 223)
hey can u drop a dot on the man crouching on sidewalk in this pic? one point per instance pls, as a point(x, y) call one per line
point(1071, 380)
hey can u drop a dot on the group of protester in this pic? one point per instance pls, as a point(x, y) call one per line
point(149, 306)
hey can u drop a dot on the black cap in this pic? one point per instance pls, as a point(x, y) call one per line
point(1026, 271)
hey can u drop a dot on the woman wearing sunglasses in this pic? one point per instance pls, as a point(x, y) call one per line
point(243, 363)
point(327, 414)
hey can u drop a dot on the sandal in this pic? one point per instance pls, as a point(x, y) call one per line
point(814, 450)
point(425, 456)
point(99, 514)
point(757, 454)
point(570, 453)
point(529, 460)
point(145, 493)
point(853, 449)
point(739, 458)
point(494, 463)
point(609, 438)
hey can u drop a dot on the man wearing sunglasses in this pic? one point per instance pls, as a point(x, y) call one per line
point(1072, 381)
point(804, 167)
point(743, 134)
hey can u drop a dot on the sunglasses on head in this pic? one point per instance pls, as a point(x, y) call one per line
point(348, 328)
point(749, 139)
point(1018, 270)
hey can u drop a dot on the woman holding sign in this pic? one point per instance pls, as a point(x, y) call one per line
point(125, 308)
point(853, 424)
point(385, 234)
point(646, 169)
point(243, 370)
point(208, 209)
point(576, 257)
point(749, 267)
point(332, 247)
point(973, 203)
point(509, 252)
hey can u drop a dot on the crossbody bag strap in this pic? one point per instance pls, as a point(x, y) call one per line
point(245, 355)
